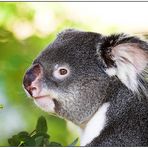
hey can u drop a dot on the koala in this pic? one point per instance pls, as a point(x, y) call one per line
point(98, 82)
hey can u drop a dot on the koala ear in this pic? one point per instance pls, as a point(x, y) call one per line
point(126, 57)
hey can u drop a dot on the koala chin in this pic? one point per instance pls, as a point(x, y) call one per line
point(98, 82)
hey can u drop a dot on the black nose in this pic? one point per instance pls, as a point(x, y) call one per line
point(30, 76)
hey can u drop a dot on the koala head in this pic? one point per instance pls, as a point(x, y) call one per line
point(71, 77)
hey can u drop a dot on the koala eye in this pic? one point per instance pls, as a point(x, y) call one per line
point(61, 72)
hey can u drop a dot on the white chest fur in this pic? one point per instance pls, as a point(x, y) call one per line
point(95, 125)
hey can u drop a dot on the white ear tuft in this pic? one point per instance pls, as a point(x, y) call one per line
point(111, 71)
point(130, 60)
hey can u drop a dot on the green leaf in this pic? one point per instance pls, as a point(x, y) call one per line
point(14, 141)
point(74, 143)
point(39, 141)
point(21, 144)
point(38, 137)
point(41, 134)
point(46, 142)
point(41, 126)
point(19, 139)
point(29, 142)
point(54, 144)
point(23, 135)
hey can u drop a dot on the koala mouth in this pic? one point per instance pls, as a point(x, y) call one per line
point(41, 97)
point(45, 102)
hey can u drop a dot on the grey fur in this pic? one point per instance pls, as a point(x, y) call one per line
point(88, 87)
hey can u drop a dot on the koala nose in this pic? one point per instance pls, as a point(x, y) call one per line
point(30, 79)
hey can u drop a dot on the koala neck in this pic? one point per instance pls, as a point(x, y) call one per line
point(95, 125)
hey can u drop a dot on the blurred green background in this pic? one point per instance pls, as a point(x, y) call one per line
point(25, 29)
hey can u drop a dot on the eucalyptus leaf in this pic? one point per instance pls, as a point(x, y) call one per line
point(23, 135)
point(39, 141)
point(41, 126)
point(29, 142)
point(46, 142)
point(38, 137)
point(14, 141)
point(41, 134)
